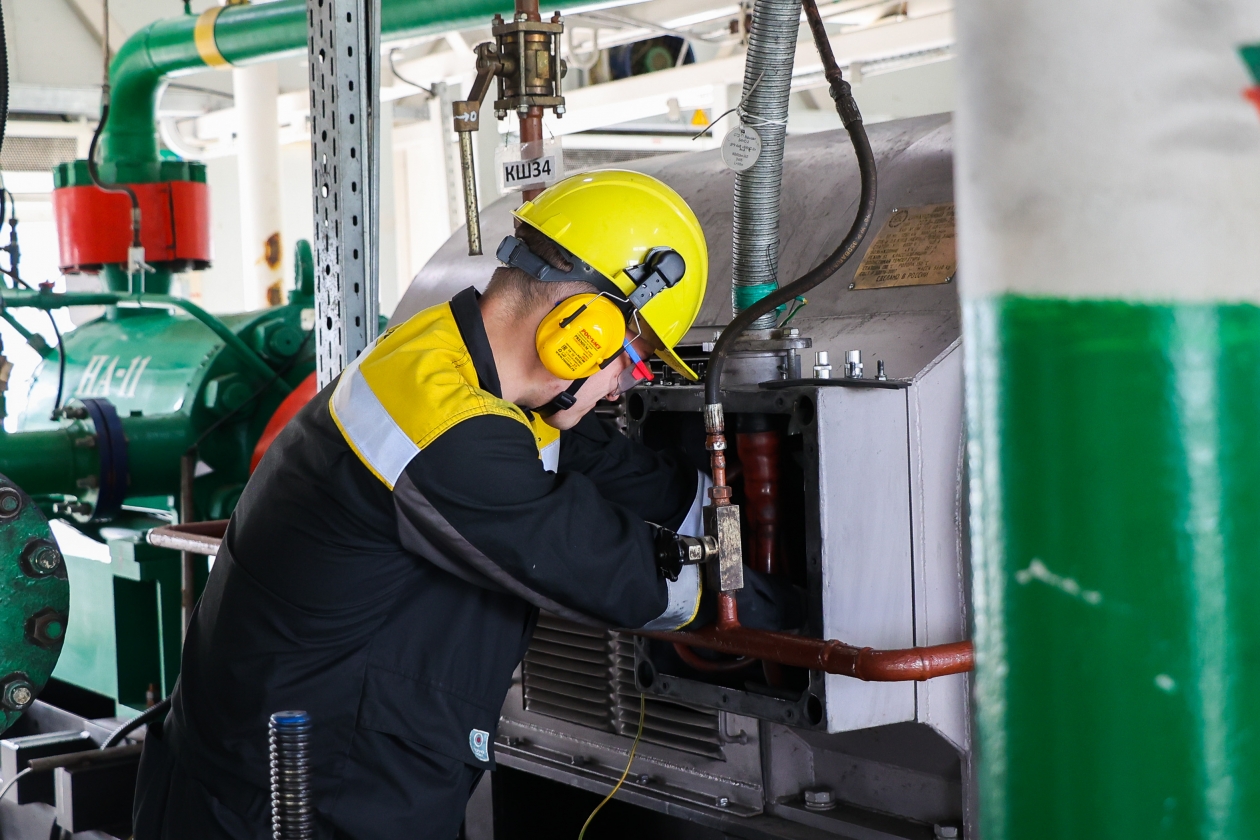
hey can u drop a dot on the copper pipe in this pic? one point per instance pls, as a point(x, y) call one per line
point(759, 453)
point(532, 132)
point(699, 663)
point(831, 656)
point(728, 611)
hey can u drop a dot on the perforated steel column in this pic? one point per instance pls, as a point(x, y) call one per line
point(344, 49)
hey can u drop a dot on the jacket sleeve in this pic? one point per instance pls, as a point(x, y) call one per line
point(479, 497)
point(660, 487)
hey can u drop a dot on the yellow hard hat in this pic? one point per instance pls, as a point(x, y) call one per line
point(615, 221)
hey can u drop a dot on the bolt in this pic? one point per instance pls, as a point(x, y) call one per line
point(498, 20)
point(644, 779)
point(879, 371)
point(852, 286)
point(577, 760)
point(818, 799)
point(18, 694)
point(946, 832)
point(74, 412)
point(42, 558)
point(723, 802)
point(521, 17)
point(10, 502)
point(559, 109)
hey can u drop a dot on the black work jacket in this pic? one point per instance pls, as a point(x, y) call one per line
point(395, 590)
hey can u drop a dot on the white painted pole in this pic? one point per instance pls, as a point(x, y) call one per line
point(258, 162)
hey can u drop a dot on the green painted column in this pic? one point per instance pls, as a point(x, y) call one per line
point(1108, 182)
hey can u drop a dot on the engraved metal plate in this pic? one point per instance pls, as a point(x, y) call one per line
point(914, 248)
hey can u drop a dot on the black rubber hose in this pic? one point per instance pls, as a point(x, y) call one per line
point(4, 83)
point(847, 108)
point(157, 710)
point(95, 175)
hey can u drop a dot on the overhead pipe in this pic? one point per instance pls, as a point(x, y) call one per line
point(237, 35)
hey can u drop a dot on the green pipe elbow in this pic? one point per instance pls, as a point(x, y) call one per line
point(241, 35)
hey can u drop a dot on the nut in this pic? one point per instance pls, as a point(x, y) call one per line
point(41, 558)
point(46, 629)
point(818, 799)
point(18, 693)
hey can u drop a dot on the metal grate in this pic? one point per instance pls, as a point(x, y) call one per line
point(36, 154)
point(586, 676)
point(568, 671)
point(675, 725)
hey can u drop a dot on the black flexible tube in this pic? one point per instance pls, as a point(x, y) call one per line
point(157, 710)
point(4, 82)
point(847, 108)
point(95, 175)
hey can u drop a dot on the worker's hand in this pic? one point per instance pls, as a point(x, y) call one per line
point(767, 602)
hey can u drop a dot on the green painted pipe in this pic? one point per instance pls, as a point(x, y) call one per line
point(242, 34)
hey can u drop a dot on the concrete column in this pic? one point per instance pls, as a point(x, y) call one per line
point(1107, 171)
point(258, 158)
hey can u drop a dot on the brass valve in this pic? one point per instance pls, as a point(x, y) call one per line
point(525, 60)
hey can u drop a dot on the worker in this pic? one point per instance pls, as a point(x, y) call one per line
point(386, 564)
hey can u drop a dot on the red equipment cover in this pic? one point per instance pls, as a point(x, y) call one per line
point(94, 226)
point(292, 404)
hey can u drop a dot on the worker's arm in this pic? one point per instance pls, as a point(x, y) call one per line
point(658, 486)
point(479, 495)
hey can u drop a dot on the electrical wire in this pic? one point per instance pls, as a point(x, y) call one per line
point(4, 82)
point(624, 773)
point(405, 80)
point(93, 172)
point(12, 782)
point(146, 717)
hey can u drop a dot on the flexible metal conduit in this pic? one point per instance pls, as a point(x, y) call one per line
point(764, 108)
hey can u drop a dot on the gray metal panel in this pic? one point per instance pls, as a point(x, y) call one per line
point(344, 46)
point(936, 452)
point(907, 327)
point(864, 524)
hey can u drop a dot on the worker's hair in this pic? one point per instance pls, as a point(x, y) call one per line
point(523, 293)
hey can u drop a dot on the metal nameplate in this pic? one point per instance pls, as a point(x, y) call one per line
point(914, 248)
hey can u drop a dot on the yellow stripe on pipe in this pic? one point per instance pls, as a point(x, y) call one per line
point(203, 37)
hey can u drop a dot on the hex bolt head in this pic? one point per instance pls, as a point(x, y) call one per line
point(818, 799)
point(46, 629)
point(41, 558)
point(18, 694)
point(946, 832)
point(723, 802)
point(643, 779)
point(10, 502)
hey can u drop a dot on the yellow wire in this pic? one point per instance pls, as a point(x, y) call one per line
point(624, 773)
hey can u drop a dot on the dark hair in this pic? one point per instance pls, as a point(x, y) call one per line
point(524, 293)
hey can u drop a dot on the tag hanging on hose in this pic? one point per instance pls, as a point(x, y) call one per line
point(741, 147)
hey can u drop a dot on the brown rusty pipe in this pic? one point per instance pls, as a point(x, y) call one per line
point(531, 123)
point(830, 656)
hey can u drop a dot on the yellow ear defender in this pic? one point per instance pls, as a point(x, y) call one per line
point(580, 335)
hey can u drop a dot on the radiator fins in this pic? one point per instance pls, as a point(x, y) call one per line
point(586, 676)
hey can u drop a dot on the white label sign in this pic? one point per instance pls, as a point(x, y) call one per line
point(741, 147)
point(521, 173)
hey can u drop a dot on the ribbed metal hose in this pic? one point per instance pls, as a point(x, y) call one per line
point(767, 86)
point(292, 816)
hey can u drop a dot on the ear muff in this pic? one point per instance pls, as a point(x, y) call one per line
point(580, 335)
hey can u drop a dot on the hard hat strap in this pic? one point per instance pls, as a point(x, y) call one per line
point(663, 269)
point(565, 399)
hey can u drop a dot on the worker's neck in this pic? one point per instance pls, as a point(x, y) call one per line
point(522, 377)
